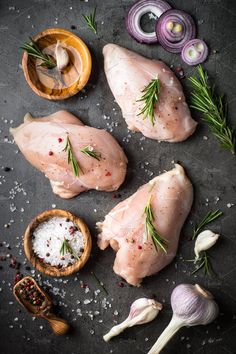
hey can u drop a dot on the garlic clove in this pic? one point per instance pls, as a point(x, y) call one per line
point(204, 241)
point(62, 57)
point(142, 311)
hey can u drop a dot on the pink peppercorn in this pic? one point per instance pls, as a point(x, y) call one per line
point(50, 153)
point(121, 285)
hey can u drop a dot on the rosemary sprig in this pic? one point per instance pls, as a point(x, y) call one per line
point(150, 97)
point(90, 19)
point(66, 248)
point(99, 282)
point(89, 151)
point(71, 158)
point(157, 239)
point(205, 100)
point(34, 51)
point(210, 216)
point(205, 263)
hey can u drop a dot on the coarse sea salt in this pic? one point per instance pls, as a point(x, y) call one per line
point(48, 237)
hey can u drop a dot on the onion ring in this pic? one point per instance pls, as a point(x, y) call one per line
point(194, 52)
point(135, 13)
point(174, 29)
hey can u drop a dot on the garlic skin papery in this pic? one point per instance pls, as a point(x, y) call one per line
point(204, 241)
point(62, 56)
point(192, 305)
point(141, 311)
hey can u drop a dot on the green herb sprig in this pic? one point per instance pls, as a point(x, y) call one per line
point(89, 151)
point(210, 216)
point(99, 282)
point(71, 158)
point(202, 263)
point(66, 248)
point(213, 107)
point(150, 97)
point(205, 263)
point(157, 239)
point(90, 19)
point(34, 51)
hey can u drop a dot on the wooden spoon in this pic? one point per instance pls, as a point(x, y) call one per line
point(59, 325)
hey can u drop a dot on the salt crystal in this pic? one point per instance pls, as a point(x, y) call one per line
point(49, 237)
point(87, 301)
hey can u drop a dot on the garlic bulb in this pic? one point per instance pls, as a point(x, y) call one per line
point(204, 241)
point(62, 57)
point(192, 306)
point(142, 311)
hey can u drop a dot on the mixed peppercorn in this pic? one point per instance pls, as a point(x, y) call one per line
point(28, 291)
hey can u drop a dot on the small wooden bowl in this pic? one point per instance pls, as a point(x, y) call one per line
point(46, 268)
point(50, 83)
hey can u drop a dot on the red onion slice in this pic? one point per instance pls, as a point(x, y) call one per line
point(174, 29)
point(135, 13)
point(194, 52)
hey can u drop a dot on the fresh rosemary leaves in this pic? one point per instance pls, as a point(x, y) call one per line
point(66, 248)
point(90, 19)
point(89, 151)
point(71, 158)
point(203, 262)
point(157, 240)
point(99, 282)
point(210, 216)
point(150, 97)
point(34, 51)
point(205, 100)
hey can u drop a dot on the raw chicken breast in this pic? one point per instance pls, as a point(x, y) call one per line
point(124, 227)
point(42, 141)
point(128, 74)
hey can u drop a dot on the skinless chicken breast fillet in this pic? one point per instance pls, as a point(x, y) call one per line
point(42, 142)
point(128, 74)
point(123, 229)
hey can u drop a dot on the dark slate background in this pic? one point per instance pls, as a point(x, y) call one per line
point(211, 170)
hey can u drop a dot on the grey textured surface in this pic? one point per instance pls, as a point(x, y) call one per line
point(211, 170)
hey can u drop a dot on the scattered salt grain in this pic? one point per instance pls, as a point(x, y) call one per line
point(87, 301)
point(229, 205)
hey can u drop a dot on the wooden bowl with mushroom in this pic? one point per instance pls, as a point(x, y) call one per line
point(42, 63)
point(57, 243)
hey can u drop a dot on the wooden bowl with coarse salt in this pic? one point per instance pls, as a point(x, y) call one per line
point(57, 243)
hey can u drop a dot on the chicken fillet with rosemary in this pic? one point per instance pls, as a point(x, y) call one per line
point(144, 229)
point(149, 94)
point(75, 157)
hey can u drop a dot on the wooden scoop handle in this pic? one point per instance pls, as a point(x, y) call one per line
point(59, 325)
